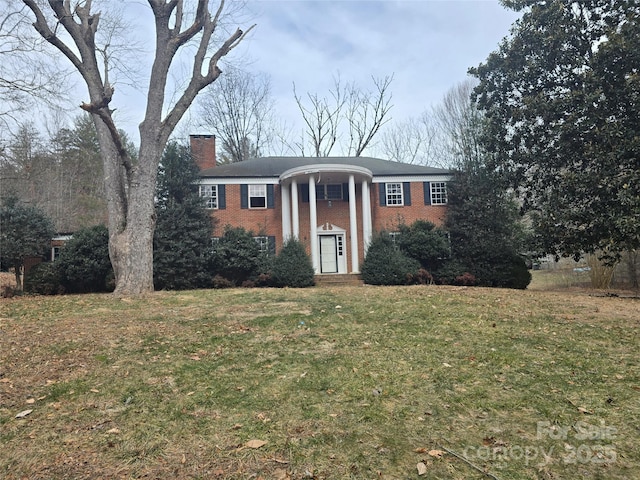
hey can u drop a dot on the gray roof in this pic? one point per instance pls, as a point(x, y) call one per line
point(276, 166)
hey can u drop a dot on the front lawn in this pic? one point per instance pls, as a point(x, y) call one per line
point(359, 382)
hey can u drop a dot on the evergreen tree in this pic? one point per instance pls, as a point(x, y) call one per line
point(486, 234)
point(561, 100)
point(24, 232)
point(182, 239)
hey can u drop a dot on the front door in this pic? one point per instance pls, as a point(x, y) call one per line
point(328, 254)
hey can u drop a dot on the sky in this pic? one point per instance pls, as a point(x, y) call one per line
point(426, 45)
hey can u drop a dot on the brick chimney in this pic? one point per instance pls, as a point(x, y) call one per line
point(203, 149)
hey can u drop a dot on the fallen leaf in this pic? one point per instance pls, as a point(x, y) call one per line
point(280, 474)
point(31, 400)
point(255, 443)
point(114, 431)
point(422, 468)
point(436, 453)
point(420, 450)
point(585, 411)
point(94, 390)
point(446, 365)
point(24, 413)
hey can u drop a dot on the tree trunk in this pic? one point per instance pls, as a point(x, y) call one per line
point(132, 216)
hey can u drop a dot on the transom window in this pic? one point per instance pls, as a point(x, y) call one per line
point(394, 194)
point(438, 193)
point(210, 193)
point(257, 196)
point(331, 191)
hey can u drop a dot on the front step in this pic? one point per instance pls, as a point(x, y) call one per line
point(338, 279)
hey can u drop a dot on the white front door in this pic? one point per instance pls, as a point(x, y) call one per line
point(328, 254)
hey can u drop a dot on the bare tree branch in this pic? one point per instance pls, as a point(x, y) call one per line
point(367, 112)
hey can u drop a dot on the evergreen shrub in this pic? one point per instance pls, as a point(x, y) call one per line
point(236, 256)
point(44, 279)
point(292, 267)
point(84, 262)
point(384, 264)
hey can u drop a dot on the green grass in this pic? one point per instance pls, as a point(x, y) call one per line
point(358, 382)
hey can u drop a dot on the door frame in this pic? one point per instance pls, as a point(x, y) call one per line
point(340, 236)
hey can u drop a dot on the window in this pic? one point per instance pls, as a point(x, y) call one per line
point(210, 193)
point(394, 237)
point(55, 253)
point(329, 192)
point(394, 194)
point(257, 196)
point(438, 193)
point(267, 244)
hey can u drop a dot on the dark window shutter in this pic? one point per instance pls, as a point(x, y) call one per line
point(270, 197)
point(406, 192)
point(345, 192)
point(383, 194)
point(244, 196)
point(304, 192)
point(272, 244)
point(222, 197)
point(427, 192)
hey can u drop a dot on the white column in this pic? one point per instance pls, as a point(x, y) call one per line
point(353, 226)
point(313, 220)
point(366, 215)
point(286, 212)
point(294, 208)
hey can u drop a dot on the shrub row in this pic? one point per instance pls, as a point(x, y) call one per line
point(235, 260)
point(421, 255)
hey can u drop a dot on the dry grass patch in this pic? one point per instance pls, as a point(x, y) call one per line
point(361, 382)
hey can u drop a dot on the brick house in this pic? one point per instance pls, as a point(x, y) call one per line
point(332, 204)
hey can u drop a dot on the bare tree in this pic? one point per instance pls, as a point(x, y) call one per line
point(411, 141)
point(24, 76)
point(130, 185)
point(446, 135)
point(367, 112)
point(322, 117)
point(238, 109)
point(364, 113)
point(459, 125)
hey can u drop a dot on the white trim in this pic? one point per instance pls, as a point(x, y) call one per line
point(340, 234)
point(412, 178)
point(239, 181)
point(325, 167)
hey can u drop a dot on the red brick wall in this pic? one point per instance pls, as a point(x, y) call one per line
point(268, 221)
point(389, 217)
point(261, 221)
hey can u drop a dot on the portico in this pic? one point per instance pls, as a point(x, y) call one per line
point(326, 184)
